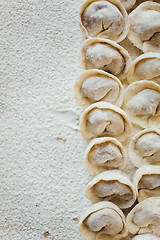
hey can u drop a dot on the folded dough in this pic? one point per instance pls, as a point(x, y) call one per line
point(128, 4)
point(142, 103)
point(145, 67)
point(144, 148)
point(97, 85)
point(104, 19)
point(145, 27)
point(147, 182)
point(103, 221)
point(112, 186)
point(146, 236)
point(104, 153)
point(98, 53)
point(105, 120)
point(145, 217)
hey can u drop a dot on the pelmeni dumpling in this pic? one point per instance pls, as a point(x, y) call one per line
point(146, 236)
point(103, 221)
point(104, 19)
point(105, 120)
point(145, 217)
point(145, 67)
point(147, 182)
point(128, 4)
point(98, 53)
point(145, 27)
point(142, 103)
point(112, 186)
point(103, 154)
point(97, 85)
point(144, 148)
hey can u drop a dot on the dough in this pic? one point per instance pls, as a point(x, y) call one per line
point(96, 85)
point(112, 186)
point(145, 217)
point(142, 104)
point(147, 182)
point(144, 148)
point(145, 27)
point(104, 19)
point(106, 55)
point(103, 221)
point(100, 120)
point(103, 154)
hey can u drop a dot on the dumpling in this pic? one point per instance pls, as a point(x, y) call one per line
point(97, 85)
point(142, 103)
point(146, 236)
point(104, 153)
point(145, 27)
point(145, 67)
point(147, 182)
point(128, 4)
point(105, 120)
point(144, 148)
point(112, 186)
point(104, 19)
point(145, 217)
point(98, 53)
point(103, 221)
point(140, 1)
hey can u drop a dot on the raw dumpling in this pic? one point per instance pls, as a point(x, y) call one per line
point(147, 182)
point(145, 217)
point(98, 53)
point(112, 186)
point(104, 153)
point(140, 1)
point(103, 221)
point(128, 4)
point(144, 148)
point(105, 120)
point(104, 19)
point(145, 27)
point(97, 85)
point(142, 103)
point(145, 67)
point(146, 236)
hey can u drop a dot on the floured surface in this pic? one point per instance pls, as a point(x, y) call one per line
point(43, 175)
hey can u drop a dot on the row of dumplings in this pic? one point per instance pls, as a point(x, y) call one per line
point(115, 186)
point(108, 19)
point(141, 103)
point(106, 221)
point(106, 55)
point(106, 64)
point(106, 123)
point(107, 153)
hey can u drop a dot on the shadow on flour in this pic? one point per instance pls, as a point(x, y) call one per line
point(69, 118)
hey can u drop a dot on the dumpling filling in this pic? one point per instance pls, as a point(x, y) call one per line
point(104, 123)
point(105, 57)
point(106, 219)
point(112, 190)
point(147, 69)
point(98, 88)
point(146, 237)
point(145, 103)
point(103, 18)
point(149, 186)
point(148, 146)
point(105, 154)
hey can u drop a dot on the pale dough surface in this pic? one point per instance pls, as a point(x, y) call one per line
point(42, 170)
